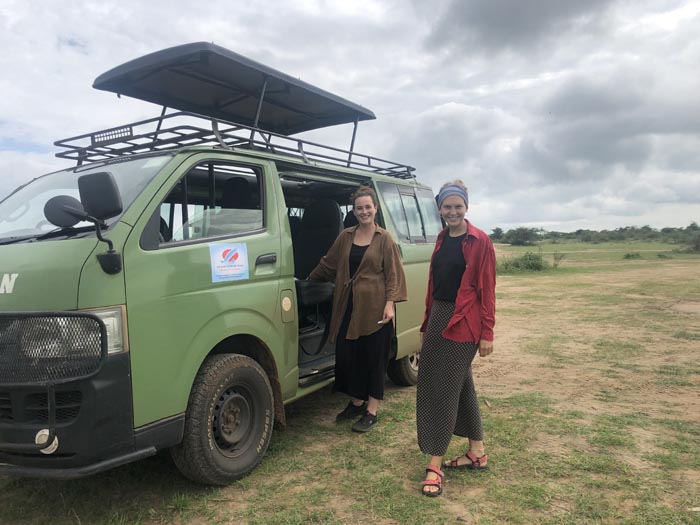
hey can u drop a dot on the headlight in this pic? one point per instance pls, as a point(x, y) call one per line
point(114, 319)
point(49, 347)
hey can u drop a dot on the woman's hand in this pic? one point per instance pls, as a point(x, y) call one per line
point(388, 312)
point(485, 347)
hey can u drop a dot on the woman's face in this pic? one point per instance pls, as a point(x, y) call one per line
point(453, 210)
point(364, 209)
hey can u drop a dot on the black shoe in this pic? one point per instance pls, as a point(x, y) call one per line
point(365, 423)
point(350, 412)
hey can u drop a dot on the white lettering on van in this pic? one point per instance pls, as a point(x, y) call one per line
point(7, 284)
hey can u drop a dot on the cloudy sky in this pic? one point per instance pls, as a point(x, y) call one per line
point(557, 114)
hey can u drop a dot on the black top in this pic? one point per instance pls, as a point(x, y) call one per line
point(448, 268)
point(356, 254)
point(209, 80)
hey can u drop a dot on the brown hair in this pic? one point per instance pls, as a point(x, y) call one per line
point(364, 191)
point(456, 182)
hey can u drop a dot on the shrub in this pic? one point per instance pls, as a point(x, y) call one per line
point(528, 262)
point(632, 255)
point(662, 255)
point(557, 256)
point(694, 244)
point(521, 236)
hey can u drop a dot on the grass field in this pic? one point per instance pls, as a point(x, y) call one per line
point(591, 406)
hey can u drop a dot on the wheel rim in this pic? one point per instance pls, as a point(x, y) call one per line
point(232, 421)
point(413, 361)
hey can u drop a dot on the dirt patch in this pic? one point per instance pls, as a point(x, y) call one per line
point(688, 307)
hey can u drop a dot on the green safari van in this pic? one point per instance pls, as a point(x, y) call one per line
point(153, 294)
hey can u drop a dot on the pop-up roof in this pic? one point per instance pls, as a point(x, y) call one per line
point(212, 81)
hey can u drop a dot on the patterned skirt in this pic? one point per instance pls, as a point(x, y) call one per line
point(446, 401)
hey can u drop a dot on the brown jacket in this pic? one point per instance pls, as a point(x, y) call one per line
point(378, 279)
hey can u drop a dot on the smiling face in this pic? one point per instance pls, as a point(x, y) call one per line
point(453, 211)
point(364, 209)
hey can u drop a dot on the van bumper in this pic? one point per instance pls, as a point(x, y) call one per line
point(93, 426)
point(75, 472)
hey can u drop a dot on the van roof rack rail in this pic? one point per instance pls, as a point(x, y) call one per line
point(182, 129)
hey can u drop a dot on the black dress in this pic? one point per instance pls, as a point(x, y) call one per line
point(360, 364)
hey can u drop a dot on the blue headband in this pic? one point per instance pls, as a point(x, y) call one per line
point(453, 189)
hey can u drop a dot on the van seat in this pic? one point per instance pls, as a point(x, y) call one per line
point(321, 224)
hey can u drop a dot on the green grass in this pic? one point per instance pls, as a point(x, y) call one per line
point(687, 335)
point(616, 350)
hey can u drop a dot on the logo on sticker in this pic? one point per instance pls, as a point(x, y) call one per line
point(233, 255)
point(229, 262)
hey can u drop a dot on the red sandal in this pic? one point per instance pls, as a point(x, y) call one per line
point(476, 463)
point(432, 482)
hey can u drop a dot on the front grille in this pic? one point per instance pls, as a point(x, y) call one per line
point(5, 407)
point(50, 348)
point(67, 407)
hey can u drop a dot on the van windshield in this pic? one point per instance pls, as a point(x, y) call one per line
point(22, 212)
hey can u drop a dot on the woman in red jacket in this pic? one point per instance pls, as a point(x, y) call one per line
point(459, 321)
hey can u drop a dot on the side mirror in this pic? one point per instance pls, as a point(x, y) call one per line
point(99, 195)
point(64, 211)
point(99, 201)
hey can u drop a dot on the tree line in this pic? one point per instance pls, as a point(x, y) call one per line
point(689, 236)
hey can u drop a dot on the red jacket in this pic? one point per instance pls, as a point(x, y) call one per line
point(475, 306)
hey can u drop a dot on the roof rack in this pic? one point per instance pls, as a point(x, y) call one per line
point(183, 129)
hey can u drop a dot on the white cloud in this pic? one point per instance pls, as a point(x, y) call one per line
point(568, 115)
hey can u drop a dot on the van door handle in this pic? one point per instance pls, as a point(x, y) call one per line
point(268, 258)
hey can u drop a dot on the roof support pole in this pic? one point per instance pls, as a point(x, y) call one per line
point(352, 142)
point(257, 112)
point(160, 123)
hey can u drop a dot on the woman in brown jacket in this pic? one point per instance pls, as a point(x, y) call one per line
point(365, 264)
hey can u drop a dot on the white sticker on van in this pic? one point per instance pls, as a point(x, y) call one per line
point(229, 262)
point(7, 283)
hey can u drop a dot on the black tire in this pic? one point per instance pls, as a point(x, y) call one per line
point(228, 423)
point(404, 372)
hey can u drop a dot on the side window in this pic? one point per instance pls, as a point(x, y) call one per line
point(429, 212)
point(415, 224)
point(213, 199)
point(413, 212)
point(392, 199)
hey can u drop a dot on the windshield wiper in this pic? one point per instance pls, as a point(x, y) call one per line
point(12, 240)
point(58, 232)
point(68, 232)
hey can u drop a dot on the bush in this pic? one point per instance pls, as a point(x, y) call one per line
point(632, 255)
point(557, 257)
point(521, 236)
point(694, 244)
point(663, 256)
point(528, 262)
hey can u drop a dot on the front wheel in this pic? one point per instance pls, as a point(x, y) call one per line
point(228, 423)
point(404, 372)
